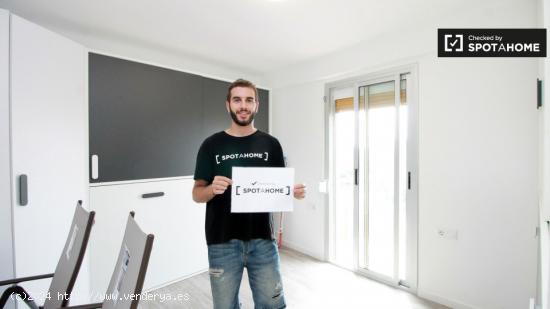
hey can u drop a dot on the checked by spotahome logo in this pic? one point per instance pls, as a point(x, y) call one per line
point(491, 42)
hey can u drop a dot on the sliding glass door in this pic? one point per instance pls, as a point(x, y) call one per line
point(373, 168)
point(344, 186)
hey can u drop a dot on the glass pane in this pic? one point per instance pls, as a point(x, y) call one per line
point(403, 178)
point(344, 181)
point(363, 213)
point(381, 123)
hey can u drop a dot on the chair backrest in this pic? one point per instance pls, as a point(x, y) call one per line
point(71, 258)
point(124, 291)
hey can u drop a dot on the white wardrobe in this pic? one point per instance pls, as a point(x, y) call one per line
point(44, 136)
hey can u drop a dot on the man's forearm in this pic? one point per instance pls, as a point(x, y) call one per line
point(203, 194)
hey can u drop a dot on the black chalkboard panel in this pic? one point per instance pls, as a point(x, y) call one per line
point(148, 122)
point(145, 121)
point(216, 118)
point(262, 118)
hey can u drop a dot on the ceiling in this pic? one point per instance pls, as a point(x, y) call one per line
point(254, 35)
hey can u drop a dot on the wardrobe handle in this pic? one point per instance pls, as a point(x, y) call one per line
point(149, 195)
point(23, 190)
point(95, 167)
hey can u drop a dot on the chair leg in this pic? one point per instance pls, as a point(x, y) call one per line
point(15, 289)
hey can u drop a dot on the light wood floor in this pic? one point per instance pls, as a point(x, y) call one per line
point(308, 283)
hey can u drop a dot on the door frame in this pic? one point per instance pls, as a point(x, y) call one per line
point(412, 166)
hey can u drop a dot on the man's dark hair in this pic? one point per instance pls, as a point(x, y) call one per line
point(241, 83)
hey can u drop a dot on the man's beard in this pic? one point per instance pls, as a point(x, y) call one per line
point(241, 122)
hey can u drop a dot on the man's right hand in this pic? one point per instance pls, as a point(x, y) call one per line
point(220, 184)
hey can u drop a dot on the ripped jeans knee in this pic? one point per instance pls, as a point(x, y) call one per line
point(261, 259)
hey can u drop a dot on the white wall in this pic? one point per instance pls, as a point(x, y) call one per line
point(478, 174)
point(478, 157)
point(544, 186)
point(546, 126)
point(298, 122)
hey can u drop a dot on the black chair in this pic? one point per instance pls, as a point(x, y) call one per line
point(65, 274)
point(129, 274)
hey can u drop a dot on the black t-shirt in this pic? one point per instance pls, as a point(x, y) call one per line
point(217, 155)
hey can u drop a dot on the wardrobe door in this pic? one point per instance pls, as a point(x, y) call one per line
point(49, 146)
point(163, 208)
point(145, 121)
point(6, 258)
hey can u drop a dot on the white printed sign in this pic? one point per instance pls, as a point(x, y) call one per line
point(71, 242)
point(262, 189)
point(122, 269)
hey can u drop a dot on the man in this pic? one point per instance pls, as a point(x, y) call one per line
point(238, 240)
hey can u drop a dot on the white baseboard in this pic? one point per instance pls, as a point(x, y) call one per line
point(160, 286)
point(306, 251)
point(444, 301)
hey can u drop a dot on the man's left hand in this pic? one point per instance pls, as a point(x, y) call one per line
point(299, 191)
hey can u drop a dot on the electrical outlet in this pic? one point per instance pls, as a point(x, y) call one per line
point(447, 233)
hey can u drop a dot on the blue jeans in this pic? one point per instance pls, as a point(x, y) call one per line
point(227, 262)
